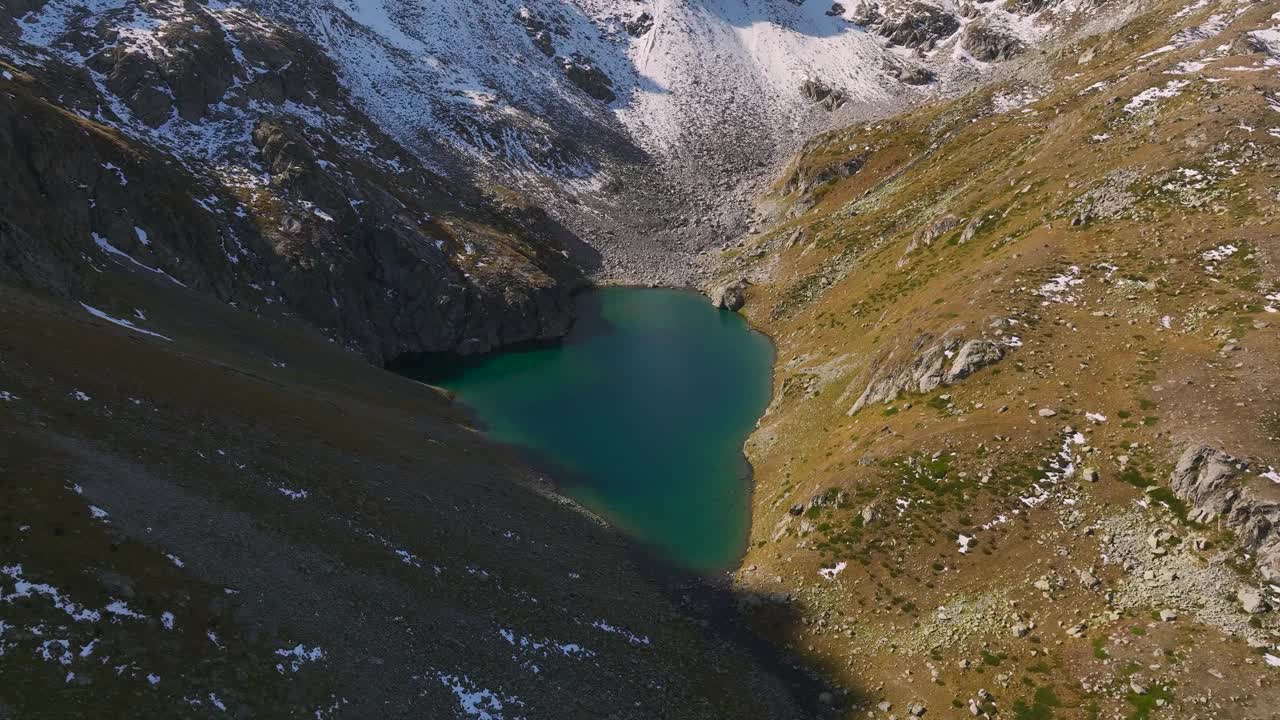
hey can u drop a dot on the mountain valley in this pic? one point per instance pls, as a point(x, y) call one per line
point(1017, 258)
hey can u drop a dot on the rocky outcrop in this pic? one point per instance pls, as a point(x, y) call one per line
point(805, 180)
point(363, 265)
point(639, 25)
point(912, 74)
point(918, 25)
point(972, 356)
point(589, 78)
point(113, 201)
point(1212, 483)
point(1109, 199)
point(927, 235)
point(539, 31)
point(931, 366)
point(368, 247)
point(823, 95)
point(730, 296)
point(192, 74)
point(1029, 7)
point(989, 43)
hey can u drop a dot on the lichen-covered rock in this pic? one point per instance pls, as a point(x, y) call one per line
point(972, 356)
point(989, 43)
point(1211, 481)
point(932, 365)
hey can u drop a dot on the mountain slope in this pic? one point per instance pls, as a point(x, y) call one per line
point(641, 126)
point(1023, 436)
point(223, 152)
point(204, 513)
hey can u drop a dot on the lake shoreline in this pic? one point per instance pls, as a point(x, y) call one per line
point(707, 594)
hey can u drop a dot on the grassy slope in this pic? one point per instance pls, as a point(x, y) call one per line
point(843, 297)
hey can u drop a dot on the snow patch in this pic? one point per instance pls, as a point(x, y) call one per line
point(630, 636)
point(476, 701)
point(1151, 95)
point(831, 572)
point(121, 322)
point(298, 656)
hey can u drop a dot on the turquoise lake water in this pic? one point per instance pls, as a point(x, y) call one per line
point(645, 406)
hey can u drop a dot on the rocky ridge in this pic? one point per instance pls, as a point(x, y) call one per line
point(223, 152)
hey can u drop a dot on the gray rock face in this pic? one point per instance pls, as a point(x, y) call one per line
point(1029, 7)
point(1251, 601)
point(823, 95)
point(730, 296)
point(1208, 480)
point(942, 363)
point(918, 25)
point(990, 44)
point(334, 239)
point(1205, 477)
point(639, 25)
point(927, 235)
point(972, 356)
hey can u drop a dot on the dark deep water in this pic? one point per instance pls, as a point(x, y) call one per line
point(646, 404)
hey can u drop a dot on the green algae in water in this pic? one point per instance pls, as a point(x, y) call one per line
point(645, 404)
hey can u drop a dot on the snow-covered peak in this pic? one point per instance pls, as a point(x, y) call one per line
point(601, 110)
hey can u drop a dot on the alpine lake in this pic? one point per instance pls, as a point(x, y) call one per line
point(643, 409)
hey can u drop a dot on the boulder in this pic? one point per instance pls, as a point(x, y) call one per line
point(870, 514)
point(972, 356)
point(730, 296)
point(822, 94)
point(1205, 477)
point(912, 74)
point(1251, 601)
